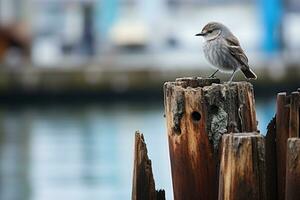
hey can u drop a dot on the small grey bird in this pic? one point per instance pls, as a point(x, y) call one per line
point(222, 49)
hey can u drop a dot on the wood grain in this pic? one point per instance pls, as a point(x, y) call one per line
point(271, 161)
point(143, 185)
point(198, 112)
point(242, 169)
point(293, 169)
point(294, 114)
point(282, 134)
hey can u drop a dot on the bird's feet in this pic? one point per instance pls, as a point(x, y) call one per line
point(213, 74)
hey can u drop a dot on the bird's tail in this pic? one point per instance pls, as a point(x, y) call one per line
point(249, 74)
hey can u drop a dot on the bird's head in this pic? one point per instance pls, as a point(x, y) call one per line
point(212, 30)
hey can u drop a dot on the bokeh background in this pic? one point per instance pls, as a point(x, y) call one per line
point(78, 77)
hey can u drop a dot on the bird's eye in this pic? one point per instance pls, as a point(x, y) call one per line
point(210, 31)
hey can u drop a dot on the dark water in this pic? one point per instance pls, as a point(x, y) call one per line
point(83, 152)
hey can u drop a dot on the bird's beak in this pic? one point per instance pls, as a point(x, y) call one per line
point(200, 34)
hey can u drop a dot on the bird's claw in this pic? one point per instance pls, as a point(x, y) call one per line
point(212, 76)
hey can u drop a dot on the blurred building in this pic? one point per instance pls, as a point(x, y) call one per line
point(76, 32)
point(14, 31)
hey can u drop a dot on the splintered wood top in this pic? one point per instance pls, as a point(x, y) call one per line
point(195, 81)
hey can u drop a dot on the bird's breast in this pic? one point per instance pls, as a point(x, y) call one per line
point(217, 53)
point(212, 52)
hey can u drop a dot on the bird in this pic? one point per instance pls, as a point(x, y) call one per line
point(223, 50)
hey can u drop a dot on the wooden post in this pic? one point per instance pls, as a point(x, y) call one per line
point(198, 112)
point(294, 114)
point(271, 161)
point(143, 185)
point(282, 134)
point(242, 169)
point(287, 125)
point(293, 169)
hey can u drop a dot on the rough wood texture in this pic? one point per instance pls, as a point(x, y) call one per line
point(198, 112)
point(143, 186)
point(271, 161)
point(287, 125)
point(242, 169)
point(294, 114)
point(282, 134)
point(293, 169)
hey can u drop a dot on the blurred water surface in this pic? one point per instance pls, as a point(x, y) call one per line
point(83, 152)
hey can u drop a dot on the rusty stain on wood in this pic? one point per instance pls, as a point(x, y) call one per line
point(201, 112)
point(198, 112)
point(242, 168)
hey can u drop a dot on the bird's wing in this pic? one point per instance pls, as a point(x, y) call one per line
point(236, 50)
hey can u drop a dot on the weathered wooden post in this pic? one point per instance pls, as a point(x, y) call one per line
point(143, 185)
point(198, 112)
point(287, 125)
point(293, 169)
point(242, 168)
point(271, 161)
point(294, 114)
point(292, 175)
point(282, 134)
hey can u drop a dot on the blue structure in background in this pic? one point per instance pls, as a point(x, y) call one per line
point(272, 13)
point(106, 13)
